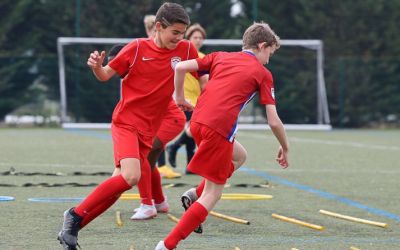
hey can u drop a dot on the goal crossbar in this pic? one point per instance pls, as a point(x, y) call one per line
point(323, 118)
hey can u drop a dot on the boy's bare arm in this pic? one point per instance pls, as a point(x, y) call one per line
point(95, 62)
point(180, 70)
point(277, 128)
point(203, 81)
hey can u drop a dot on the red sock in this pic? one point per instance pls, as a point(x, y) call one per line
point(200, 187)
point(156, 187)
point(98, 210)
point(111, 187)
point(144, 184)
point(192, 218)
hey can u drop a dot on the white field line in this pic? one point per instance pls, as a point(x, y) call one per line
point(333, 143)
point(295, 169)
point(55, 165)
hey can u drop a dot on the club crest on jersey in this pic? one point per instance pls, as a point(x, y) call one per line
point(273, 93)
point(174, 61)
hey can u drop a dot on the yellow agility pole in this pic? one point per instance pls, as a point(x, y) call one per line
point(173, 218)
point(231, 196)
point(354, 219)
point(239, 196)
point(169, 185)
point(118, 219)
point(229, 218)
point(298, 222)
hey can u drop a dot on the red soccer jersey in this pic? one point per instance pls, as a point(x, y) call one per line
point(235, 78)
point(148, 82)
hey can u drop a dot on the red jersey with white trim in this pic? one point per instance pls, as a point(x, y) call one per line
point(148, 82)
point(235, 78)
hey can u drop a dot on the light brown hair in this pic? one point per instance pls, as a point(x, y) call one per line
point(259, 33)
point(195, 27)
point(170, 13)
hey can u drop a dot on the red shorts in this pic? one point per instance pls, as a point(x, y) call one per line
point(172, 124)
point(129, 143)
point(213, 158)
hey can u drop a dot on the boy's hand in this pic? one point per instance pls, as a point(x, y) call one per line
point(282, 158)
point(95, 60)
point(183, 104)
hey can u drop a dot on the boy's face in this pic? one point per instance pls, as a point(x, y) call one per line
point(266, 53)
point(171, 35)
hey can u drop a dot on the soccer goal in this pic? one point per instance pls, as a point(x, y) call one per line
point(85, 104)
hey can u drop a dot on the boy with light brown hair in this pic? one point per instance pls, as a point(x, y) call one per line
point(235, 78)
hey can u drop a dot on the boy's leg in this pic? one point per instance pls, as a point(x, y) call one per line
point(116, 185)
point(156, 185)
point(98, 200)
point(239, 155)
point(161, 159)
point(144, 185)
point(98, 211)
point(146, 209)
point(195, 215)
point(190, 148)
point(238, 158)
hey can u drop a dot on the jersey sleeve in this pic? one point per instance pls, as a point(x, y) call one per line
point(125, 58)
point(266, 89)
point(206, 62)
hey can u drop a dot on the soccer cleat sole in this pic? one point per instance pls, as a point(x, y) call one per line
point(186, 203)
point(65, 245)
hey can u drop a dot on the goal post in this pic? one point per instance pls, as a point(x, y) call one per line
point(322, 111)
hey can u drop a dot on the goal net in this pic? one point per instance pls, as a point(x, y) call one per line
point(297, 68)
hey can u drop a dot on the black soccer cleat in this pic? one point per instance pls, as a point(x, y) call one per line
point(68, 236)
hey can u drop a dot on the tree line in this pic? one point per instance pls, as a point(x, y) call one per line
point(362, 56)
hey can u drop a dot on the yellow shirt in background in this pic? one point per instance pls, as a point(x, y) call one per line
point(192, 86)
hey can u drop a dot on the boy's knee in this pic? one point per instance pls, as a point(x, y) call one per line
point(240, 158)
point(132, 180)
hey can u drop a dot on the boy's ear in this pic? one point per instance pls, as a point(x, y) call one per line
point(158, 26)
point(262, 45)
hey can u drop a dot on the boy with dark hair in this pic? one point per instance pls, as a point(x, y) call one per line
point(192, 87)
point(234, 80)
point(148, 67)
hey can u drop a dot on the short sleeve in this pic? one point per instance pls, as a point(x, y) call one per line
point(206, 62)
point(266, 89)
point(125, 58)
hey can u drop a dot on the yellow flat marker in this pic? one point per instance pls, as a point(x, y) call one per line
point(229, 218)
point(294, 248)
point(354, 248)
point(132, 247)
point(239, 196)
point(298, 222)
point(354, 219)
point(128, 197)
point(118, 219)
point(237, 248)
point(173, 218)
